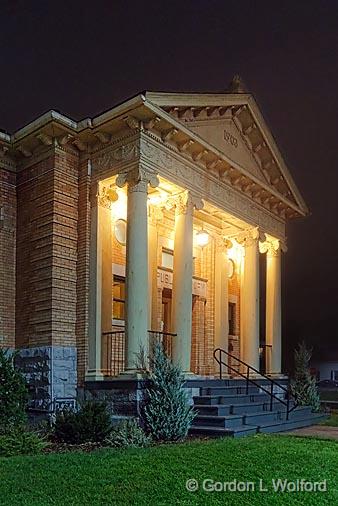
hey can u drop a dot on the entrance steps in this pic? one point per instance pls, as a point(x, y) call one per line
point(224, 408)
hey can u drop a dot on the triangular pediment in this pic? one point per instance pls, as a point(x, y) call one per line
point(233, 124)
point(225, 136)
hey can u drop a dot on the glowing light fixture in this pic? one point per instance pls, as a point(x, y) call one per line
point(202, 238)
point(119, 207)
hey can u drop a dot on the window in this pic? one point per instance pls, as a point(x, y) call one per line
point(119, 297)
point(232, 318)
point(167, 258)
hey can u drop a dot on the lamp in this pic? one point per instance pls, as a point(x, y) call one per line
point(202, 238)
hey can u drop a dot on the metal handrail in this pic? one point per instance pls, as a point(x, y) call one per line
point(246, 376)
point(115, 347)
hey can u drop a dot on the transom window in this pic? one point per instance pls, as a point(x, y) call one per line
point(167, 258)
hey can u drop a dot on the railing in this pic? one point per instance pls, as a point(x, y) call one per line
point(114, 344)
point(164, 338)
point(272, 383)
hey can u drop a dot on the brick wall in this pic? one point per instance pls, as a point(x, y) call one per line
point(83, 233)
point(7, 257)
point(47, 196)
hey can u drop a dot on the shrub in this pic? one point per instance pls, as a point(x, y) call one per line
point(91, 423)
point(303, 385)
point(128, 434)
point(166, 414)
point(13, 393)
point(21, 442)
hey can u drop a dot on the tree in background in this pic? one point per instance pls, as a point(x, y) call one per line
point(303, 385)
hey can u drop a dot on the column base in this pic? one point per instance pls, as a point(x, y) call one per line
point(133, 374)
point(277, 375)
point(94, 375)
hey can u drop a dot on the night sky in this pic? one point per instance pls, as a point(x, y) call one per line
point(84, 57)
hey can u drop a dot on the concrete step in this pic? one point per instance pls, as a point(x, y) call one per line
point(259, 418)
point(253, 407)
point(230, 421)
point(236, 382)
point(229, 390)
point(293, 423)
point(212, 409)
point(210, 431)
point(231, 399)
point(276, 415)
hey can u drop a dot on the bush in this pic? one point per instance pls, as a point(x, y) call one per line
point(91, 423)
point(303, 385)
point(13, 393)
point(21, 442)
point(166, 415)
point(128, 434)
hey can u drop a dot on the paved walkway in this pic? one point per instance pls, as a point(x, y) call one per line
point(322, 431)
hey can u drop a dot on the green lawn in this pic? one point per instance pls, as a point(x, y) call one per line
point(157, 475)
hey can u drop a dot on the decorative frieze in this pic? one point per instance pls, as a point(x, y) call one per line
point(125, 152)
point(208, 186)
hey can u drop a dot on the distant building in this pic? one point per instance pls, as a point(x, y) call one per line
point(145, 221)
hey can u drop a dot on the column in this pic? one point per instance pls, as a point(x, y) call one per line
point(182, 278)
point(137, 296)
point(100, 282)
point(250, 301)
point(273, 308)
point(221, 296)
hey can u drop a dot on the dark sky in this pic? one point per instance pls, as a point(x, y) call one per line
point(83, 57)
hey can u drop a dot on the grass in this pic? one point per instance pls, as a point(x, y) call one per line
point(157, 475)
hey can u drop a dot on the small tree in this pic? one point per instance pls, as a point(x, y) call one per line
point(303, 385)
point(166, 415)
point(13, 393)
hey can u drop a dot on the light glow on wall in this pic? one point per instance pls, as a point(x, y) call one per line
point(235, 253)
point(119, 207)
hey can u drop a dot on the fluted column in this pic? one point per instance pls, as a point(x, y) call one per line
point(137, 296)
point(182, 277)
point(250, 301)
point(273, 308)
point(221, 295)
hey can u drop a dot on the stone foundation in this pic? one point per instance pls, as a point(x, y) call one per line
point(50, 372)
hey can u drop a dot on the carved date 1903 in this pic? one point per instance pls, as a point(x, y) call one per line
point(230, 139)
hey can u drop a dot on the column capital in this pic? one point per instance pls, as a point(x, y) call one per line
point(138, 179)
point(184, 202)
point(273, 247)
point(251, 236)
point(222, 243)
point(105, 196)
